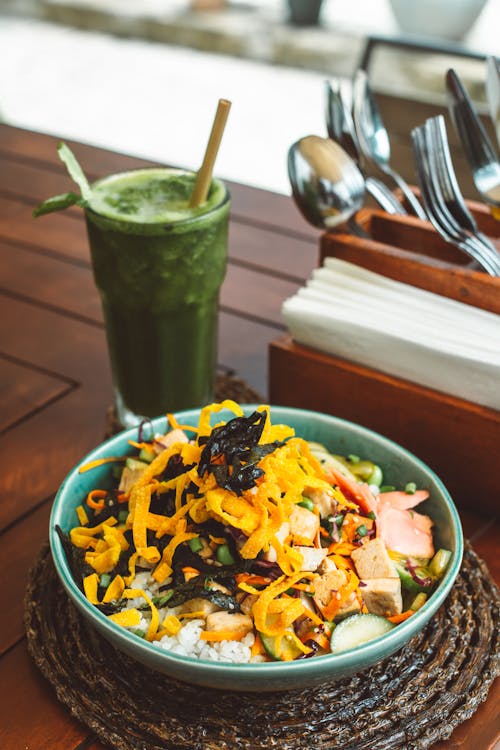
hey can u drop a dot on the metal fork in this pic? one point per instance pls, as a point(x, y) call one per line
point(428, 148)
point(449, 185)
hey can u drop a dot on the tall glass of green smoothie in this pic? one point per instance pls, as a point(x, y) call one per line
point(158, 265)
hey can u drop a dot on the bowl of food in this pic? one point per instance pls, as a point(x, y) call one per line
point(255, 548)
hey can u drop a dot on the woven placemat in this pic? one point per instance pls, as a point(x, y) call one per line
point(411, 700)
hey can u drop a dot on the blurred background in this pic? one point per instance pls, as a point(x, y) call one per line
point(144, 76)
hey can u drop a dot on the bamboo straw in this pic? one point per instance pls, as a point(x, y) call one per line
point(204, 176)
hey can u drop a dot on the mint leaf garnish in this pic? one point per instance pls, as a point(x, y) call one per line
point(58, 203)
point(74, 169)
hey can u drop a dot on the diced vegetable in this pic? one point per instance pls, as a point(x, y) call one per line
point(439, 562)
point(281, 648)
point(419, 601)
point(134, 464)
point(223, 555)
point(147, 455)
point(415, 579)
point(195, 544)
point(356, 630)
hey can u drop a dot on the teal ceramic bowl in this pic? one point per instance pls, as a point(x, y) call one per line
point(338, 436)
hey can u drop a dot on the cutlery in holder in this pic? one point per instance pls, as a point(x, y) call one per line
point(459, 439)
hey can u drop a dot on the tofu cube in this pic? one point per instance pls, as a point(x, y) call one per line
point(203, 606)
point(237, 623)
point(372, 561)
point(327, 565)
point(304, 525)
point(382, 596)
point(323, 500)
point(311, 557)
point(327, 586)
point(165, 441)
point(350, 607)
point(281, 535)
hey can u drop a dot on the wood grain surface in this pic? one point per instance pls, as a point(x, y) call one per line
point(55, 388)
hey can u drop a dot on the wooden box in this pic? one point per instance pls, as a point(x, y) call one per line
point(460, 440)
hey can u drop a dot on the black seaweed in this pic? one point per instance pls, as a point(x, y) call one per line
point(197, 589)
point(185, 557)
point(237, 443)
point(163, 503)
point(110, 608)
point(174, 468)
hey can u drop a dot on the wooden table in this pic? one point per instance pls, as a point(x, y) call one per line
point(55, 388)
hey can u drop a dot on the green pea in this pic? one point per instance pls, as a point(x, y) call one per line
point(195, 544)
point(306, 503)
point(105, 580)
point(223, 555)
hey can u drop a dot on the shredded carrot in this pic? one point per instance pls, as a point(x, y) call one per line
point(190, 573)
point(222, 635)
point(82, 515)
point(252, 580)
point(93, 503)
point(258, 648)
point(139, 446)
point(303, 587)
point(100, 462)
point(217, 539)
point(128, 618)
point(335, 603)
point(396, 619)
point(320, 638)
point(171, 624)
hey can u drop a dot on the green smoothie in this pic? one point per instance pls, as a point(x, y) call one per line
point(158, 265)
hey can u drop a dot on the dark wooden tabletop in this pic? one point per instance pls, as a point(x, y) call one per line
point(55, 388)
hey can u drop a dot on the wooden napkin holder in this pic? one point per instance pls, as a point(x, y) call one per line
point(460, 440)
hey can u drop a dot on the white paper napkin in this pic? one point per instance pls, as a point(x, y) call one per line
point(369, 319)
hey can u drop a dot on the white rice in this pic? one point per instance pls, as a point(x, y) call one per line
point(186, 641)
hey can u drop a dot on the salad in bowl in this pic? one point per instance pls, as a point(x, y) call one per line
point(235, 540)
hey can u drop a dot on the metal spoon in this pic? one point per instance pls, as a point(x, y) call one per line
point(327, 186)
point(477, 146)
point(374, 139)
point(493, 92)
point(340, 127)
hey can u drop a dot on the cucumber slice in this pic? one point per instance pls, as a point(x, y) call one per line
point(147, 455)
point(134, 463)
point(327, 459)
point(280, 649)
point(358, 629)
